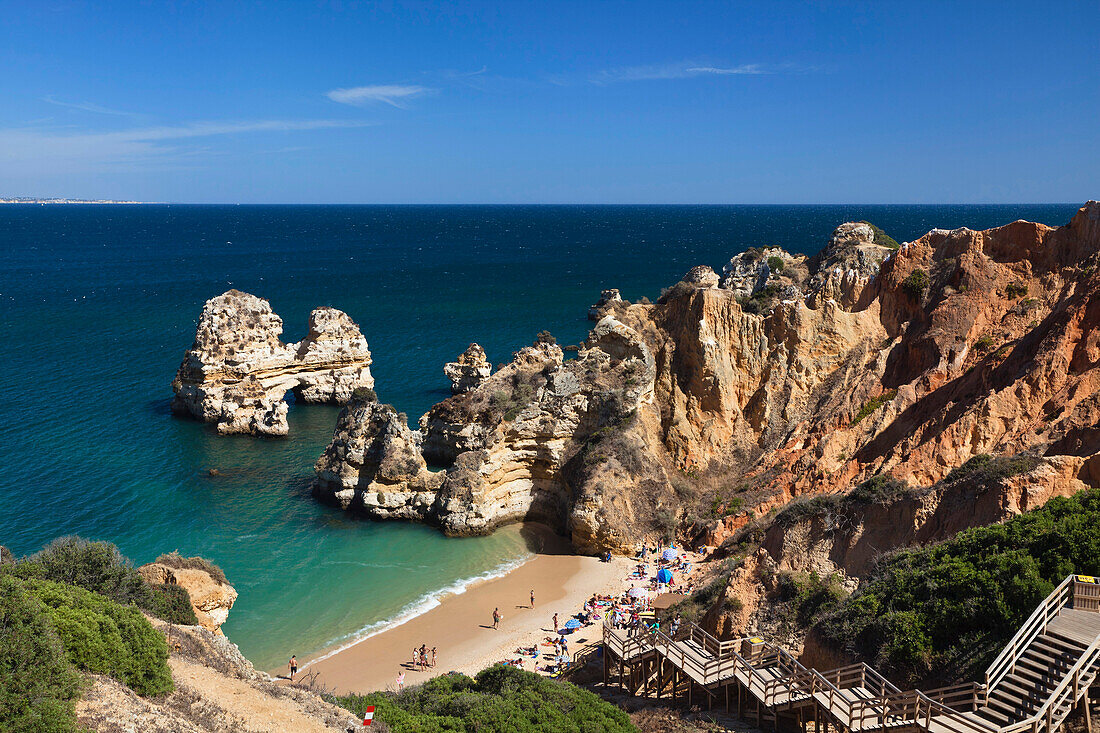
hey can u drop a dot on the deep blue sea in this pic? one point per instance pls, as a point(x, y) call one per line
point(98, 304)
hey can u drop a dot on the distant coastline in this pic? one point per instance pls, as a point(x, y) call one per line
point(32, 200)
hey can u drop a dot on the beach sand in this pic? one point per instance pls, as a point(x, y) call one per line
point(461, 626)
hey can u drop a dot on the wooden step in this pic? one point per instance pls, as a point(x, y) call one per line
point(1024, 689)
point(1010, 708)
point(1038, 679)
point(1042, 668)
point(1048, 648)
point(1068, 646)
point(994, 716)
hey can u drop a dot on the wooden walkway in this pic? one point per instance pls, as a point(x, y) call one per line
point(1044, 671)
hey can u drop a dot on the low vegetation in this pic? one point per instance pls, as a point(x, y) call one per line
point(79, 606)
point(916, 283)
point(38, 683)
point(939, 614)
point(806, 597)
point(873, 404)
point(99, 567)
point(499, 698)
point(882, 238)
point(175, 560)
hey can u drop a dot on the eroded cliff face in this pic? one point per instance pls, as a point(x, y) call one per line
point(211, 599)
point(238, 371)
point(785, 376)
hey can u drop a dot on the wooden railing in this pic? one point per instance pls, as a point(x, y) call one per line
point(1086, 593)
point(913, 709)
point(1058, 704)
point(1036, 624)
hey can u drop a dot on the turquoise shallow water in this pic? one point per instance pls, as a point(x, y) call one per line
point(98, 303)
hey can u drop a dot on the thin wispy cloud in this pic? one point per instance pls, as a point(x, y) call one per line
point(43, 144)
point(89, 107)
point(395, 95)
point(682, 70)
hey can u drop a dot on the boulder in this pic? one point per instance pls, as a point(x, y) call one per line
point(211, 599)
point(469, 370)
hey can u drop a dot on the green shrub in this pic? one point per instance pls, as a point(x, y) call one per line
point(363, 394)
point(807, 596)
point(882, 238)
point(1016, 290)
point(915, 283)
point(99, 567)
point(941, 613)
point(987, 470)
point(172, 603)
point(881, 489)
point(775, 263)
point(985, 343)
point(874, 403)
point(499, 698)
point(175, 560)
point(102, 636)
point(38, 684)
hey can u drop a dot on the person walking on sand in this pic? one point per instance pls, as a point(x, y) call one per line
point(496, 617)
point(532, 598)
point(293, 666)
point(400, 681)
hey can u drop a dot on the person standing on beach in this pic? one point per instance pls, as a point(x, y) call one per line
point(555, 622)
point(293, 666)
point(433, 656)
point(496, 617)
point(400, 681)
point(532, 598)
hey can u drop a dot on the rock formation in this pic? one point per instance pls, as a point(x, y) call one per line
point(786, 376)
point(469, 370)
point(607, 298)
point(211, 599)
point(238, 371)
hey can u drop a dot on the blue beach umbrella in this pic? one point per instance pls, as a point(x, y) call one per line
point(664, 575)
point(572, 624)
point(669, 554)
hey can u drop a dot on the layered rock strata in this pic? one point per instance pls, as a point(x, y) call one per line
point(786, 376)
point(238, 371)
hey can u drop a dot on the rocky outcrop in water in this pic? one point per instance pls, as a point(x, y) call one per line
point(469, 370)
point(788, 376)
point(238, 371)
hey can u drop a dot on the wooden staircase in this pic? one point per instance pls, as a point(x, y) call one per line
point(1044, 671)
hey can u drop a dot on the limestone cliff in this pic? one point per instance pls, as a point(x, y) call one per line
point(238, 371)
point(211, 598)
point(785, 376)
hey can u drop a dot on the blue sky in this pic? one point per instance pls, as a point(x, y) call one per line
point(514, 102)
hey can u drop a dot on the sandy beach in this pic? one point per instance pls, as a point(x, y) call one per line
point(460, 628)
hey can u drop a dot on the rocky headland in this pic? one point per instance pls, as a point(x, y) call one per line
point(736, 393)
point(238, 371)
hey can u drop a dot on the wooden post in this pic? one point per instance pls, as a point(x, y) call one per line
point(605, 653)
point(1088, 714)
point(727, 698)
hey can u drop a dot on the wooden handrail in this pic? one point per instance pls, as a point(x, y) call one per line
point(1036, 624)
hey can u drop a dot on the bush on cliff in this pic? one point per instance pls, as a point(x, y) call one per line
point(881, 238)
point(38, 684)
point(940, 614)
point(99, 567)
point(102, 636)
point(498, 698)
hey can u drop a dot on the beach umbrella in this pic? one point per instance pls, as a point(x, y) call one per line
point(664, 575)
point(669, 554)
point(572, 624)
point(636, 592)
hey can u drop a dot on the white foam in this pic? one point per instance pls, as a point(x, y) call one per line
point(419, 607)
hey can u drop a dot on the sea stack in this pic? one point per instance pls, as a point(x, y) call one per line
point(238, 371)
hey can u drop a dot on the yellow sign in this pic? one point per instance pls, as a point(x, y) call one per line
point(1087, 579)
point(756, 640)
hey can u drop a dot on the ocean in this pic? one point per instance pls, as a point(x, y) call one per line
point(98, 304)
